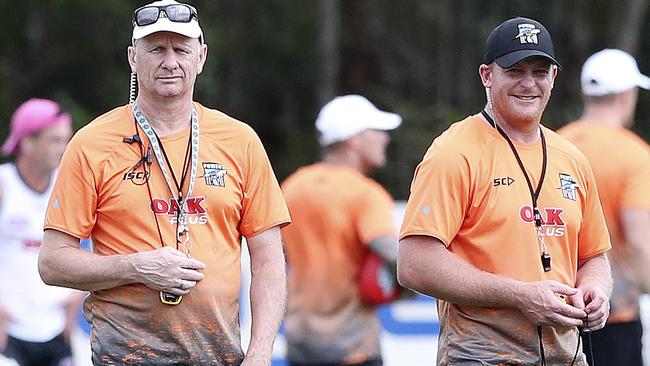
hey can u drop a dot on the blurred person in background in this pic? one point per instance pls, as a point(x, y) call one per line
point(36, 320)
point(339, 217)
point(166, 188)
point(503, 224)
point(621, 163)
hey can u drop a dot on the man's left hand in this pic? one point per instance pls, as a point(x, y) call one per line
point(594, 301)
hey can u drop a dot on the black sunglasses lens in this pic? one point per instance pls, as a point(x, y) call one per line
point(178, 13)
point(146, 16)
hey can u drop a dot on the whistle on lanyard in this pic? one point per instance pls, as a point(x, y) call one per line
point(170, 299)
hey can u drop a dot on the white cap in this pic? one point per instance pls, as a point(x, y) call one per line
point(192, 29)
point(344, 117)
point(611, 71)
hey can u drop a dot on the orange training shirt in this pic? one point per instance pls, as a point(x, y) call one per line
point(337, 211)
point(97, 194)
point(621, 163)
point(470, 193)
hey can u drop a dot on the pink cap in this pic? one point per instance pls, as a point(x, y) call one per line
point(32, 116)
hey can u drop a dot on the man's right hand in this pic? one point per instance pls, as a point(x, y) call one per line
point(166, 269)
point(542, 302)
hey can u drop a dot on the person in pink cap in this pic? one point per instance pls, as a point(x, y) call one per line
point(36, 320)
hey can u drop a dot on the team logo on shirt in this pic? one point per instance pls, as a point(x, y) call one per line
point(568, 186)
point(195, 212)
point(527, 33)
point(552, 222)
point(214, 174)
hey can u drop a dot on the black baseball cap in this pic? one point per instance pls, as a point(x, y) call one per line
point(517, 39)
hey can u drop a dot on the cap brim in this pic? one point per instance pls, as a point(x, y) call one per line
point(190, 29)
point(643, 82)
point(511, 59)
point(9, 146)
point(385, 121)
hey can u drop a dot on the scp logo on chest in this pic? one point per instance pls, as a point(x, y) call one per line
point(552, 222)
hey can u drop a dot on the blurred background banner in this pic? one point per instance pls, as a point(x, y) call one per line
point(273, 63)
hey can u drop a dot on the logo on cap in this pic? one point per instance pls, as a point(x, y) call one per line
point(517, 39)
point(527, 33)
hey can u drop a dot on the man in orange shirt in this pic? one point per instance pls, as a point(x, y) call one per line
point(340, 215)
point(514, 253)
point(166, 188)
point(621, 163)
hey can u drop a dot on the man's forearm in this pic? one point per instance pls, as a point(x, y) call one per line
point(636, 227)
point(268, 293)
point(62, 263)
point(426, 266)
point(268, 306)
point(386, 247)
point(596, 272)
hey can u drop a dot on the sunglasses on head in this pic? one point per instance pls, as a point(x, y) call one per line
point(179, 13)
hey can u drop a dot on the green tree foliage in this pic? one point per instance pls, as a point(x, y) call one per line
point(270, 64)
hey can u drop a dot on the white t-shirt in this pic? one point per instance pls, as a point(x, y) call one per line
point(37, 309)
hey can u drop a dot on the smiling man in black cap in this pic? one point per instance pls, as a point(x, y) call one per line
point(504, 225)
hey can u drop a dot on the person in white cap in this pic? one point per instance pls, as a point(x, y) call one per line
point(503, 224)
point(36, 320)
point(620, 159)
point(167, 188)
point(339, 216)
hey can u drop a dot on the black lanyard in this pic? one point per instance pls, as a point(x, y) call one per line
point(534, 194)
point(182, 227)
point(180, 184)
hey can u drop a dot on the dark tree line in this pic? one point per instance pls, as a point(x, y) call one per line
point(273, 63)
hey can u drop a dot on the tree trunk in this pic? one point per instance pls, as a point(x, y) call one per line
point(631, 24)
point(328, 49)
